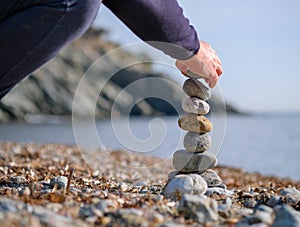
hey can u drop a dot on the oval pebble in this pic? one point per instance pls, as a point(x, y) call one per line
point(187, 162)
point(195, 106)
point(212, 178)
point(195, 88)
point(194, 123)
point(182, 184)
point(195, 142)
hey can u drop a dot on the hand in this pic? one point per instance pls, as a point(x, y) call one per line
point(204, 63)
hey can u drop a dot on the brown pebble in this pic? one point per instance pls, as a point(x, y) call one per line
point(194, 123)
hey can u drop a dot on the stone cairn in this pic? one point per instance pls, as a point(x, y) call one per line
point(194, 164)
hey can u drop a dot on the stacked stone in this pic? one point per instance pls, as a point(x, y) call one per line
point(194, 164)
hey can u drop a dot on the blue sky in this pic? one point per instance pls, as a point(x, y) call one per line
point(257, 41)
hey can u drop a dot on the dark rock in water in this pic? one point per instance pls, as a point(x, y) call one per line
point(199, 208)
point(285, 215)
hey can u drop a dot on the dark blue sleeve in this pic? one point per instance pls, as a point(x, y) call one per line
point(157, 21)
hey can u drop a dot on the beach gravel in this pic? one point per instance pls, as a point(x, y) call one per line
point(126, 189)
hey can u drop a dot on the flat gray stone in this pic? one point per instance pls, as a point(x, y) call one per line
point(195, 105)
point(187, 162)
point(212, 178)
point(195, 142)
point(200, 208)
point(182, 184)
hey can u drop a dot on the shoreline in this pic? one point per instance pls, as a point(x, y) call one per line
point(110, 193)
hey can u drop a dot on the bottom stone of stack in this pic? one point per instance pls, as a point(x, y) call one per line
point(187, 162)
point(184, 184)
point(210, 176)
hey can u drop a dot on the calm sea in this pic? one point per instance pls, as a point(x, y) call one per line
point(268, 144)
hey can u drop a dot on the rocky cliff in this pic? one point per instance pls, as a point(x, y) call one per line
point(51, 89)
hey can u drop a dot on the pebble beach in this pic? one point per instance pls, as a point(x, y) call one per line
point(52, 185)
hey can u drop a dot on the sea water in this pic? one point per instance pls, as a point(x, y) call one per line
point(269, 144)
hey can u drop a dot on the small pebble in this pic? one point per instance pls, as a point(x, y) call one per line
point(195, 123)
point(287, 191)
point(184, 184)
point(193, 162)
point(199, 208)
point(123, 186)
point(86, 211)
point(195, 106)
point(211, 177)
point(219, 191)
point(249, 202)
point(224, 208)
point(195, 142)
point(274, 201)
point(195, 88)
point(222, 185)
point(17, 180)
point(60, 181)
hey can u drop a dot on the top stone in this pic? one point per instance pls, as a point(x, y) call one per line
point(195, 88)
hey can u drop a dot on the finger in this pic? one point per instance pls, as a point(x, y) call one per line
point(182, 67)
point(213, 81)
point(217, 59)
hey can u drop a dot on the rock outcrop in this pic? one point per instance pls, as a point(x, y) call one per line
point(50, 90)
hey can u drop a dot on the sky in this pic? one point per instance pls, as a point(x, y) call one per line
point(257, 41)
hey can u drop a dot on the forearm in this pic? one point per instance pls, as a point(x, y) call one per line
point(158, 21)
